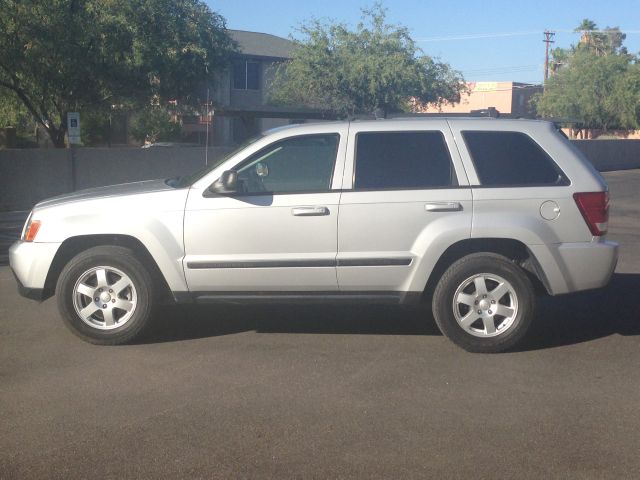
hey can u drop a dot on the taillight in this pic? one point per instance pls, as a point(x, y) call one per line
point(594, 207)
point(31, 231)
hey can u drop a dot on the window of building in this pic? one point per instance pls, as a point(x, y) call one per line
point(511, 159)
point(402, 160)
point(297, 164)
point(246, 75)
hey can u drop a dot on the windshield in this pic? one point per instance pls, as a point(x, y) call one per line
point(188, 180)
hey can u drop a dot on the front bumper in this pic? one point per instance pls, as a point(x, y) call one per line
point(37, 294)
point(30, 263)
point(572, 267)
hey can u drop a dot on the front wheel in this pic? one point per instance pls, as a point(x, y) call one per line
point(484, 303)
point(104, 295)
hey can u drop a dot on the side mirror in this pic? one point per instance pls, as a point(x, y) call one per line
point(227, 183)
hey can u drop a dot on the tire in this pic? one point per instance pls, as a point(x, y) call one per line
point(484, 303)
point(105, 295)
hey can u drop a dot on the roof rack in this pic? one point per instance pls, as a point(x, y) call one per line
point(491, 112)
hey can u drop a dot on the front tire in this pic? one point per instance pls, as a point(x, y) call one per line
point(105, 295)
point(484, 303)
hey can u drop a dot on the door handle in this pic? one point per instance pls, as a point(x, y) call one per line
point(443, 207)
point(309, 211)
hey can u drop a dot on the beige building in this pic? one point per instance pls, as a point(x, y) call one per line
point(239, 98)
point(511, 98)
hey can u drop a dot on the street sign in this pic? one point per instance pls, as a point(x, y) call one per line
point(73, 127)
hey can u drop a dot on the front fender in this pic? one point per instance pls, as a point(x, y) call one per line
point(154, 219)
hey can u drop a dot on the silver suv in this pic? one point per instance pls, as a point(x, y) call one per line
point(476, 215)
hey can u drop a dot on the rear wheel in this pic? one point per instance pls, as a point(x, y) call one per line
point(105, 295)
point(484, 303)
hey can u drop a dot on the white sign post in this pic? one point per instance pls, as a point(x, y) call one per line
point(73, 127)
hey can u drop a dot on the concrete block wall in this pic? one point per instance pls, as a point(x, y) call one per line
point(608, 155)
point(30, 175)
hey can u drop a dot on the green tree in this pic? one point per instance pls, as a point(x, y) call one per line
point(14, 114)
point(96, 127)
point(596, 86)
point(70, 55)
point(155, 124)
point(605, 42)
point(376, 67)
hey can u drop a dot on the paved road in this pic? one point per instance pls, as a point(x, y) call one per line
point(313, 392)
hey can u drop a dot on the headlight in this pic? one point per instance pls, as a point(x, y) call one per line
point(30, 229)
point(26, 224)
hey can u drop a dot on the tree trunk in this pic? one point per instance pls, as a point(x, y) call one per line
point(57, 136)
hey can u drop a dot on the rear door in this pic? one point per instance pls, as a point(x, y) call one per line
point(406, 199)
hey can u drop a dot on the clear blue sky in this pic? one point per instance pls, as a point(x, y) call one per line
point(485, 39)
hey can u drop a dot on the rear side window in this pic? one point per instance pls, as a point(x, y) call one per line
point(511, 159)
point(402, 160)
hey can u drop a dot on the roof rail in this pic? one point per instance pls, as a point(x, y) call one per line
point(491, 112)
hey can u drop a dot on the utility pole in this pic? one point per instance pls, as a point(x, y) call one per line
point(548, 38)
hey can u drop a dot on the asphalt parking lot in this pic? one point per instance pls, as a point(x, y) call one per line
point(328, 392)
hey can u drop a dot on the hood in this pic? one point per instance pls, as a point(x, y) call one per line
point(123, 189)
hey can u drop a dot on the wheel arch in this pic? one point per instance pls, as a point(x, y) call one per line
point(512, 249)
point(77, 244)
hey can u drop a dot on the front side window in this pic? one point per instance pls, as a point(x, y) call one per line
point(511, 159)
point(297, 164)
point(246, 75)
point(402, 160)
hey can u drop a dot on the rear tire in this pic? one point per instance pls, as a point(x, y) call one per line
point(484, 303)
point(105, 295)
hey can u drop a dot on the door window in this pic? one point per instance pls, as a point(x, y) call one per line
point(292, 165)
point(402, 160)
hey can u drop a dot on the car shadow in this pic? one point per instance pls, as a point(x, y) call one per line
point(589, 315)
point(561, 320)
point(191, 321)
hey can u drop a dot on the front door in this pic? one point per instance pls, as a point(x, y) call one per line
point(278, 232)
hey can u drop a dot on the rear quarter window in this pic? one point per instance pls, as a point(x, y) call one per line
point(511, 159)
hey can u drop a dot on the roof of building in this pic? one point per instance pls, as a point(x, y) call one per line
point(262, 44)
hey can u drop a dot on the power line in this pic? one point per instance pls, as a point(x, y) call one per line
point(595, 31)
point(484, 67)
point(504, 69)
point(477, 36)
point(473, 36)
point(532, 85)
